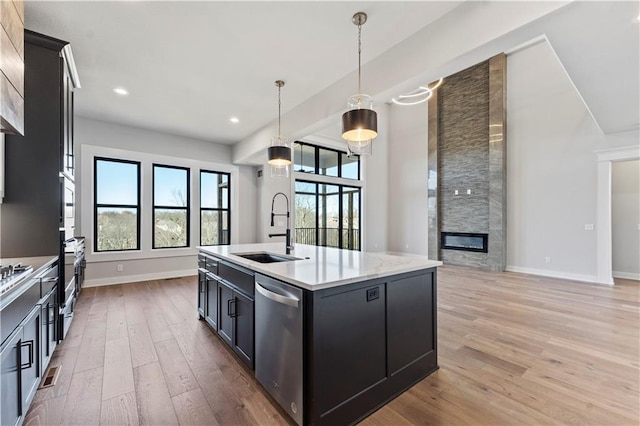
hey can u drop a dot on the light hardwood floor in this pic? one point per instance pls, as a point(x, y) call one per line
point(513, 350)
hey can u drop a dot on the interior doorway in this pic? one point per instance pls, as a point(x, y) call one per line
point(605, 159)
point(625, 219)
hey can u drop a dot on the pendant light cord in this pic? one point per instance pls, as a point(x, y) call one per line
point(279, 138)
point(359, 54)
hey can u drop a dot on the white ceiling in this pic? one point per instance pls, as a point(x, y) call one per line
point(189, 66)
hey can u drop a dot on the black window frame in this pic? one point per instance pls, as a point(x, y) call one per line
point(154, 207)
point(96, 205)
point(339, 153)
point(340, 211)
point(218, 209)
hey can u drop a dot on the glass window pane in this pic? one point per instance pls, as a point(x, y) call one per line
point(116, 182)
point(328, 162)
point(214, 190)
point(350, 218)
point(306, 187)
point(170, 186)
point(350, 166)
point(170, 228)
point(304, 158)
point(214, 227)
point(117, 229)
point(331, 214)
point(305, 217)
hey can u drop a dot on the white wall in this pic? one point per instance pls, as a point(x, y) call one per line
point(94, 137)
point(375, 197)
point(551, 169)
point(625, 212)
point(408, 179)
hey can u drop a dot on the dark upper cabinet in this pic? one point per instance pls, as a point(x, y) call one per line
point(34, 163)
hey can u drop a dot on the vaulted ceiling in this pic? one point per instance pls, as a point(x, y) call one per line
point(191, 65)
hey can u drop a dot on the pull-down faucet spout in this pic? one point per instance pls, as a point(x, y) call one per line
point(288, 245)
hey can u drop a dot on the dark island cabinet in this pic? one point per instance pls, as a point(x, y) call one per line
point(367, 343)
point(202, 292)
point(211, 313)
point(226, 303)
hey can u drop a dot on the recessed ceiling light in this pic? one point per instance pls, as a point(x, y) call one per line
point(234, 120)
point(121, 91)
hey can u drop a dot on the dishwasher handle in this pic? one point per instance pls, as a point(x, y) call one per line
point(287, 300)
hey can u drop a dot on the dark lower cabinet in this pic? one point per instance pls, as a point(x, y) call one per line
point(211, 315)
point(49, 327)
point(235, 324)
point(202, 292)
point(243, 336)
point(30, 356)
point(21, 369)
point(367, 343)
point(225, 302)
point(10, 361)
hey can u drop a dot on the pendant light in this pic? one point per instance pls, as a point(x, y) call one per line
point(279, 153)
point(360, 123)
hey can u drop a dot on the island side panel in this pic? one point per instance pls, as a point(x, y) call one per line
point(353, 364)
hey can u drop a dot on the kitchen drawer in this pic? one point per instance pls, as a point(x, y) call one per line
point(238, 276)
point(208, 263)
point(48, 280)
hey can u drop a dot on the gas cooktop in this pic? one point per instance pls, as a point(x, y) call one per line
point(10, 275)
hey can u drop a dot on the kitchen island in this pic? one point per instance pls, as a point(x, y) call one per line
point(332, 334)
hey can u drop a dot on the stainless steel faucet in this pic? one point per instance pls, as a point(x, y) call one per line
point(288, 244)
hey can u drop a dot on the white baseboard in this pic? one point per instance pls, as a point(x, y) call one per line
point(626, 275)
point(555, 274)
point(122, 279)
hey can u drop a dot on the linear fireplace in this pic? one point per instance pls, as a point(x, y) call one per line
point(465, 241)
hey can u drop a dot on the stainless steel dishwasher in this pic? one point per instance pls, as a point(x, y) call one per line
point(278, 327)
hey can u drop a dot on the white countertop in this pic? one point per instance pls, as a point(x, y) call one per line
point(322, 267)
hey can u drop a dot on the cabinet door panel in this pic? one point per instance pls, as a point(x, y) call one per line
point(350, 344)
point(410, 320)
point(11, 409)
point(202, 293)
point(243, 333)
point(30, 356)
point(212, 302)
point(226, 323)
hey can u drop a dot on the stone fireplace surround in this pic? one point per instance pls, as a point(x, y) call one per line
point(467, 163)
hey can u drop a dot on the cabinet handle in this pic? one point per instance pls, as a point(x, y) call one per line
point(232, 302)
point(29, 364)
point(51, 319)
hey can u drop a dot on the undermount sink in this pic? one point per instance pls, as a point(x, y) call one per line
point(265, 257)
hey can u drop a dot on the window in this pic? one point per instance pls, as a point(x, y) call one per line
point(327, 215)
point(214, 208)
point(117, 205)
point(324, 161)
point(170, 206)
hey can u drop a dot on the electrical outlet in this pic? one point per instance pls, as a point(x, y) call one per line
point(588, 227)
point(373, 294)
point(455, 192)
point(547, 259)
point(119, 267)
point(468, 192)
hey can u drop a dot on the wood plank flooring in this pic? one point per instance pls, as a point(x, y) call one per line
point(513, 349)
